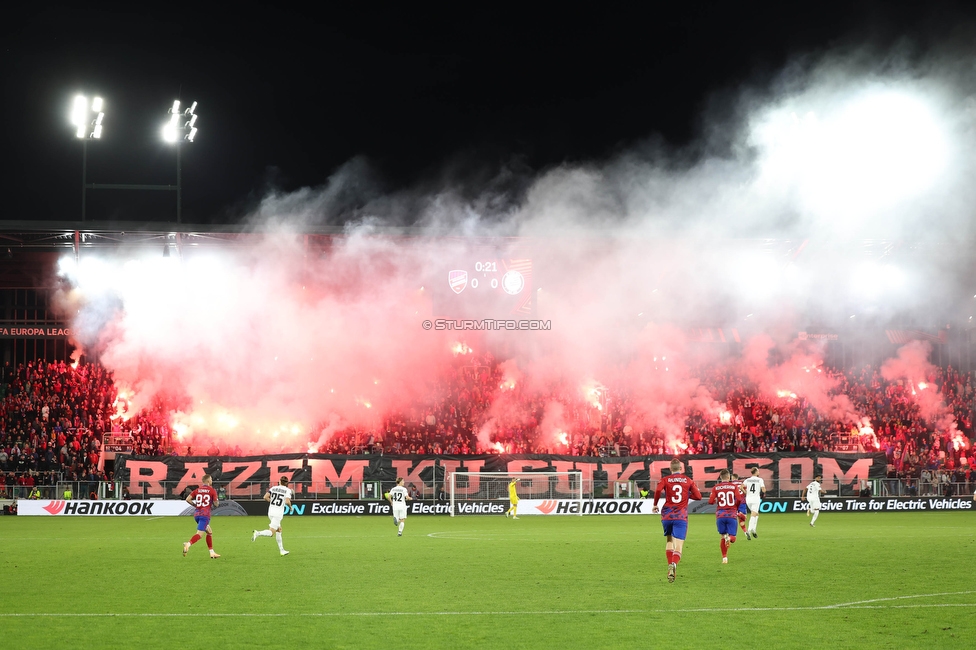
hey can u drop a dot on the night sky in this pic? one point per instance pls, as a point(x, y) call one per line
point(416, 99)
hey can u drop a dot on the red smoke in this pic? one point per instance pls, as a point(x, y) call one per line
point(276, 348)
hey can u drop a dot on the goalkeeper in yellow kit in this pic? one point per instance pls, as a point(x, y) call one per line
point(512, 499)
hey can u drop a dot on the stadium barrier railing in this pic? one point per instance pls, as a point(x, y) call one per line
point(374, 490)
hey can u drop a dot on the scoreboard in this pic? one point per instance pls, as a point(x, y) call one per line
point(484, 288)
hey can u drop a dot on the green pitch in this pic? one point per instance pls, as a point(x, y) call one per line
point(854, 581)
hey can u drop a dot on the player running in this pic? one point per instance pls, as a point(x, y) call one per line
point(726, 496)
point(813, 498)
point(398, 498)
point(278, 498)
point(512, 499)
point(677, 489)
point(203, 499)
point(741, 514)
point(755, 488)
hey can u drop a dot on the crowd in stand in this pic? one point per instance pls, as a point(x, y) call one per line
point(53, 417)
point(597, 424)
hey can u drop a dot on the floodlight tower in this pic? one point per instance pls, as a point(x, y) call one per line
point(178, 129)
point(87, 120)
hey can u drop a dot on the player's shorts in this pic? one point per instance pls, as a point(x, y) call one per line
point(275, 522)
point(754, 505)
point(742, 508)
point(677, 528)
point(202, 522)
point(727, 525)
point(814, 504)
point(513, 502)
point(400, 513)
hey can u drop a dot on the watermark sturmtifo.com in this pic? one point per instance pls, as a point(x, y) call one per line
point(441, 324)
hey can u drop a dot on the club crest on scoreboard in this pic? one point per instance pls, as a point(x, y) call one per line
point(458, 280)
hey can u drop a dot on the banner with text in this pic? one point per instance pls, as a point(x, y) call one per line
point(342, 476)
point(586, 507)
point(111, 508)
point(361, 508)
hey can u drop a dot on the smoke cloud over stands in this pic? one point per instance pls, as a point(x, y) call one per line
point(273, 349)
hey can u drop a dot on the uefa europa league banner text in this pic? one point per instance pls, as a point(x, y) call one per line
point(155, 476)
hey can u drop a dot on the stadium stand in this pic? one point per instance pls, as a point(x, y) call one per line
point(54, 418)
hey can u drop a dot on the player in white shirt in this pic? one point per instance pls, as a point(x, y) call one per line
point(278, 498)
point(755, 489)
point(813, 497)
point(398, 498)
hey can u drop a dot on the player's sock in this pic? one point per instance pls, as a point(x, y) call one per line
point(675, 557)
point(281, 544)
point(669, 553)
point(742, 521)
point(210, 542)
point(724, 546)
point(816, 513)
point(400, 528)
point(194, 539)
point(265, 533)
point(753, 520)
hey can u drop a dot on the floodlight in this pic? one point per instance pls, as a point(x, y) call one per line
point(181, 126)
point(87, 125)
point(78, 111)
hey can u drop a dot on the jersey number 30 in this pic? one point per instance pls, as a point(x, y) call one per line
point(726, 498)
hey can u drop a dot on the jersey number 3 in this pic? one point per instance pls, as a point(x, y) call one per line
point(676, 492)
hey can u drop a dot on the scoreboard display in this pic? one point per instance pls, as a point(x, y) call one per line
point(484, 288)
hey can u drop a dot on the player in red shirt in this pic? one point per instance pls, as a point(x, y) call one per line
point(726, 496)
point(741, 514)
point(677, 490)
point(203, 498)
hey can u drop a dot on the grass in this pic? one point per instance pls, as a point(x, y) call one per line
point(879, 580)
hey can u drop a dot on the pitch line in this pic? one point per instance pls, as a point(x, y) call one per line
point(890, 598)
point(555, 612)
